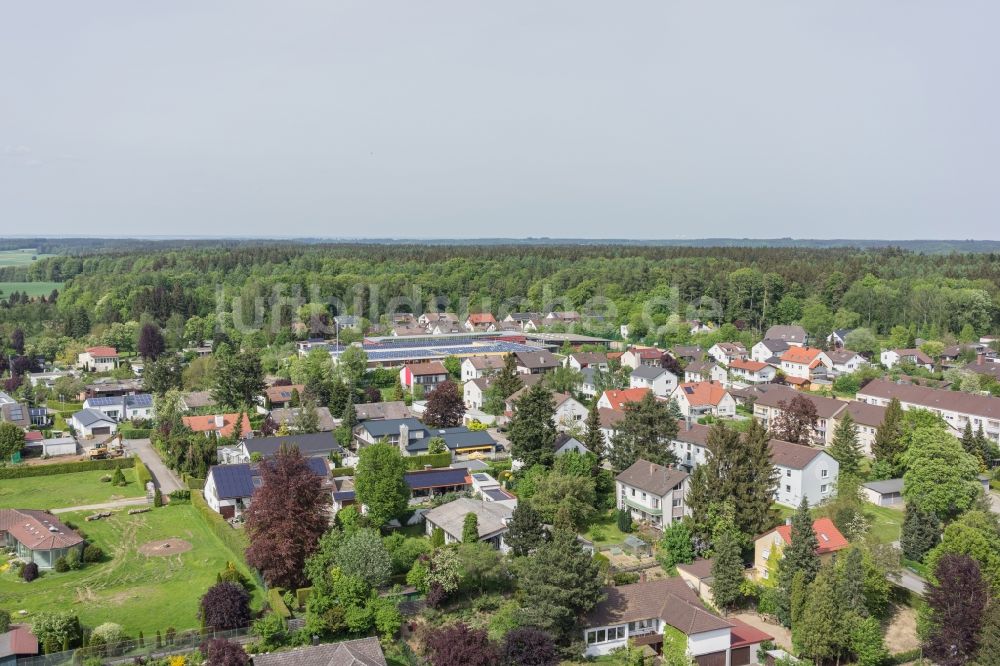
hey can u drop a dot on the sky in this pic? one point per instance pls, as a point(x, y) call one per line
point(647, 119)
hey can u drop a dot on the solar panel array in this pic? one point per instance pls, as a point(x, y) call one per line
point(139, 400)
point(442, 351)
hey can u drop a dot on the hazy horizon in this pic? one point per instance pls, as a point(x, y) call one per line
point(449, 120)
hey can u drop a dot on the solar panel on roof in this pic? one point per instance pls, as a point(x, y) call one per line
point(689, 390)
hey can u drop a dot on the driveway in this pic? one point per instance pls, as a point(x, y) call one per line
point(106, 506)
point(909, 580)
point(163, 477)
point(994, 498)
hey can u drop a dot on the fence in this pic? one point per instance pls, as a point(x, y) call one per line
point(127, 651)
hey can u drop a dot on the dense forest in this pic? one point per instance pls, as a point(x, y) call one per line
point(652, 289)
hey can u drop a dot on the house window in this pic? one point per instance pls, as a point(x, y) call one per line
point(644, 497)
point(764, 573)
point(823, 488)
point(788, 489)
point(823, 473)
point(656, 503)
point(591, 637)
point(677, 502)
point(633, 492)
point(788, 472)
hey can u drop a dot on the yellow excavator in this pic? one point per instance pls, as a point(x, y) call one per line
point(107, 449)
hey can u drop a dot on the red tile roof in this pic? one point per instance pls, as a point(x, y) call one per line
point(802, 355)
point(283, 393)
point(748, 365)
point(829, 537)
point(481, 318)
point(619, 399)
point(426, 369)
point(207, 424)
point(742, 634)
point(702, 393)
point(102, 351)
point(37, 530)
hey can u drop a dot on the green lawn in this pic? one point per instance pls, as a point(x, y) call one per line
point(31, 288)
point(21, 257)
point(66, 490)
point(886, 522)
point(141, 593)
point(604, 531)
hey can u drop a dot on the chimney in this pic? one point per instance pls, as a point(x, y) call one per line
point(219, 421)
point(980, 357)
point(788, 521)
point(404, 437)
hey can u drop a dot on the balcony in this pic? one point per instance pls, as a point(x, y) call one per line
point(632, 504)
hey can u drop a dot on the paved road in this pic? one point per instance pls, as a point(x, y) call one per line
point(117, 504)
point(910, 581)
point(994, 500)
point(163, 477)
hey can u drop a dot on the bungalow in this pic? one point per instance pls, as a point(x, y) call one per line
point(642, 614)
point(123, 408)
point(768, 351)
point(794, 335)
point(866, 417)
point(654, 494)
point(727, 352)
point(48, 379)
point(355, 652)
point(581, 360)
point(888, 492)
point(705, 371)
point(492, 519)
point(804, 472)
point(92, 423)
point(229, 488)
point(283, 396)
point(474, 367)
point(12, 411)
point(612, 399)
point(535, 362)
point(107, 387)
point(97, 359)
point(828, 537)
point(413, 437)
point(219, 425)
point(636, 356)
point(37, 536)
point(845, 361)
point(480, 321)
point(659, 380)
point(752, 372)
point(805, 362)
point(700, 398)
point(426, 483)
point(344, 322)
point(891, 357)
point(311, 445)
point(288, 416)
point(427, 375)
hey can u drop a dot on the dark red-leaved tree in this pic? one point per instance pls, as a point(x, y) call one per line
point(151, 343)
point(286, 518)
point(372, 394)
point(17, 341)
point(672, 364)
point(795, 421)
point(958, 603)
point(445, 407)
point(220, 652)
point(527, 646)
point(458, 645)
point(226, 606)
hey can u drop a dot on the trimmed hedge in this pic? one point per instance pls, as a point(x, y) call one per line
point(428, 459)
point(135, 433)
point(905, 657)
point(235, 540)
point(302, 596)
point(194, 483)
point(24, 471)
point(142, 473)
point(277, 603)
point(342, 471)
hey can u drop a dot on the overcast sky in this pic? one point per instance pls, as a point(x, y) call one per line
point(432, 118)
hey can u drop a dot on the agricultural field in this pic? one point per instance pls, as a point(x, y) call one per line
point(21, 257)
point(141, 585)
point(30, 288)
point(66, 490)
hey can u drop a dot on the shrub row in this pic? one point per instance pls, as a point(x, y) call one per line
point(235, 540)
point(135, 433)
point(277, 603)
point(142, 474)
point(24, 471)
point(302, 596)
point(904, 657)
point(428, 459)
point(193, 482)
point(342, 471)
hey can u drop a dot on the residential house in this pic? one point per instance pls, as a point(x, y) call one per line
point(356, 652)
point(474, 392)
point(690, 445)
point(196, 400)
point(107, 387)
point(839, 337)
point(687, 353)
point(535, 362)
point(805, 363)
point(219, 425)
point(229, 489)
point(480, 321)
point(413, 437)
point(696, 326)
point(124, 407)
point(282, 396)
point(705, 371)
point(610, 418)
point(982, 366)
point(426, 375)
point(888, 492)
point(569, 412)
point(492, 519)
point(751, 372)
point(408, 329)
point(768, 351)
point(89, 423)
point(794, 335)
point(845, 361)
point(289, 417)
point(428, 483)
point(37, 536)
point(770, 404)
point(803, 471)
point(474, 367)
point(40, 416)
point(310, 445)
point(654, 494)
point(697, 399)
point(12, 411)
point(48, 379)
point(582, 360)
point(828, 537)
point(891, 357)
point(525, 321)
point(17, 644)
point(588, 382)
point(659, 380)
point(394, 409)
point(955, 407)
point(641, 613)
point(633, 357)
point(97, 359)
point(565, 443)
point(612, 399)
point(345, 322)
point(866, 417)
point(727, 352)
point(567, 318)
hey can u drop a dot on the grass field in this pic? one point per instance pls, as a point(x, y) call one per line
point(65, 490)
point(21, 257)
point(141, 593)
point(604, 531)
point(30, 288)
point(886, 522)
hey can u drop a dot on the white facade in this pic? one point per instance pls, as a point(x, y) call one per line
point(815, 481)
point(848, 365)
point(655, 510)
point(806, 370)
point(662, 385)
point(97, 362)
point(724, 407)
point(570, 413)
point(473, 395)
point(762, 376)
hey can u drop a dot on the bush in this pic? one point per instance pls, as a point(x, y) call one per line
point(277, 603)
point(25, 471)
point(157, 498)
point(225, 606)
point(93, 553)
point(106, 478)
point(180, 496)
point(625, 577)
point(142, 474)
point(135, 433)
point(118, 478)
point(233, 575)
point(220, 652)
point(428, 460)
point(29, 572)
point(73, 560)
point(342, 471)
point(4, 621)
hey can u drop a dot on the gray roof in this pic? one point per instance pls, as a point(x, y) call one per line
point(450, 517)
point(786, 333)
point(954, 401)
point(88, 417)
point(885, 486)
point(359, 652)
point(289, 414)
point(471, 465)
point(395, 409)
point(655, 479)
point(774, 346)
point(648, 372)
point(317, 443)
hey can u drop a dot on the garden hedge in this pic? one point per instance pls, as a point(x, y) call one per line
point(135, 433)
point(142, 473)
point(277, 603)
point(342, 471)
point(428, 459)
point(24, 471)
point(235, 540)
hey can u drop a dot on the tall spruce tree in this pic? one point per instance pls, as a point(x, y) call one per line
point(969, 442)
point(594, 439)
point(821, 632)
point(850, 583)
point(727, 568)
point(532, 429)
point(888, 444)
point(921, 532)
point(644, 432)
point(737, 470)
point(845, 448)
point(525, 532)
point(798, 556)
point(508, 381)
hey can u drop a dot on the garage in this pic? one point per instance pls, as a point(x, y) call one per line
point(101, 430)
point(739, 656)
point(712, 659)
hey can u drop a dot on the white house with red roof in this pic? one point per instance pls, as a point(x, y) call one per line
point(805, 362)
point(751, 372)
point(727, 352)
point(480, 321)
point(612, 399)
point(98, 359)
point(37, 536)
point(702, 398)
point(828, 537)
point(636, 356)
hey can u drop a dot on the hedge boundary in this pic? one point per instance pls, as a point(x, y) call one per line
point(135, 433)
point(142, 474)
point(235, 540)
point(342, 471)
point(25, 471)
point(428, 459)
point(277, 603)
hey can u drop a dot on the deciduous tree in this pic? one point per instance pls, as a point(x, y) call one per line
point(940, 476)
point(379, 482)
point(644, 432)
point(445, 408)
point(363, 554)
point(527, 646)
point(459, 645)
point(957, 603)
point(525, 532)
point(225, 606)
point(795, 421)
point(151, 344)
point(239, 377)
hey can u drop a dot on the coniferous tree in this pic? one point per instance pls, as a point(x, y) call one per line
point(969, 442)
point(525, 532)
point(821, 632)
point(727, 569)
point(239, 377)
point(798, 556)
point(988, 450)
point(888, 444)
point(921, 532)
point(508, 381)
point(532, 429)
point(845, 448)
point(470, 528)
point(989, 636)
point(644, 432)
point(594, 439)
point(850, 583)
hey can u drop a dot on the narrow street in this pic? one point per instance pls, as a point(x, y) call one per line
point(163, 477)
